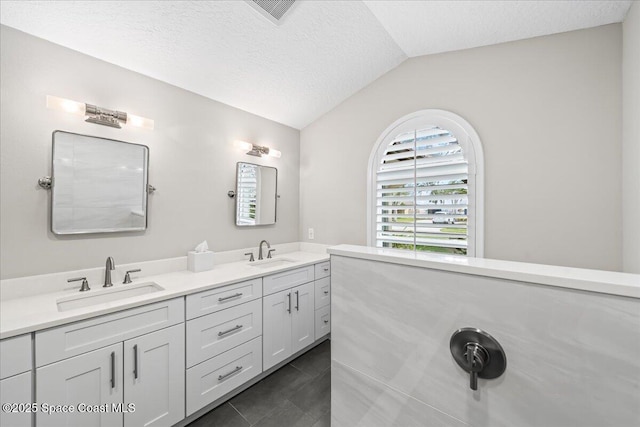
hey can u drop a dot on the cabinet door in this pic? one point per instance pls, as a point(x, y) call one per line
point(303, 322)
point(154, 374)
point(93, 378)
point(13, 355)
point(322, 292)
point(323, 321)
point(276, 327)
point(16, 389)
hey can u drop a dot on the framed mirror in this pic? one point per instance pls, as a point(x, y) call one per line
point(256, 194)
point(98, 185)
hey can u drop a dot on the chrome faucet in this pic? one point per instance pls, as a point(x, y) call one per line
point(111, 265)
point(260, 248)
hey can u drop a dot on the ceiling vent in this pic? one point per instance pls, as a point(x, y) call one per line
point(273, 10)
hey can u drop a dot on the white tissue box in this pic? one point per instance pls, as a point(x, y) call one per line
point(199, 261)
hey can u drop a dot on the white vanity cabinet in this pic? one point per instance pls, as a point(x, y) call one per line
point(302, 318)
point(157, 364)
point(224, 341)
point(15, 379)
point(129, 370)
point(93, 378)
point(322, 286)
point(154, 378)
point(289, 318)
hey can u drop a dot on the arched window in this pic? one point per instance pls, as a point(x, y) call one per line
point(426, 186)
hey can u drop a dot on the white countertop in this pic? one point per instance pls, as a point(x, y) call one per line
point(37, 312)
point(607, 282)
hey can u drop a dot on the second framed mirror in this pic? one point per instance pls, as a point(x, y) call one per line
point(256, 194)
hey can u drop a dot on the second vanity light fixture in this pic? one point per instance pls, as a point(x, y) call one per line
point(98, 115)
point(257, 150)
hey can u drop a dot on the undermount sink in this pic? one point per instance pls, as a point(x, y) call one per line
point(271, 262)
point(100, 296)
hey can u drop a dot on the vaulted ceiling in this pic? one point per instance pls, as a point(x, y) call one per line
point(321, 52)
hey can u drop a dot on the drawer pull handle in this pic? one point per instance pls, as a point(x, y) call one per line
point(326, 321)
point(228, 331)
point(113, 369)
point(135, 361)
point(228, 374)
point(239, 294)
point(325, 269)
point(326, 292)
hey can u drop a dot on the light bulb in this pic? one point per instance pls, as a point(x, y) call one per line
point(66, 105)
point(141, 122)
point(274, 153)
point(244, 146)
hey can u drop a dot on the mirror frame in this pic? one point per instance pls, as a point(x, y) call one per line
point(110, 230)
point(275, 214)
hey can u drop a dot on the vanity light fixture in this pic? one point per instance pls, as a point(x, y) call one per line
point(98, 115)
point(257, 150)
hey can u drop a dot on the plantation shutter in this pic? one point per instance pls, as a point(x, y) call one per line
point(247, 193)
point(421, 193)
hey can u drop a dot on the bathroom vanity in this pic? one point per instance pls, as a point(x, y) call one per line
point(164, 357)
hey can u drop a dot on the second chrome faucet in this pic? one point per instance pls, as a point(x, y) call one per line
point(260, 257)
point(269, 250)
point(110, 266)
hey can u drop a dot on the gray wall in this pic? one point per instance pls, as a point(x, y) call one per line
point(548, 112)
point(192, 161)
point(631, 140)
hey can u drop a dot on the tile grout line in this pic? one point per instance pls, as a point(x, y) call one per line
point(301, 373)
point(297, 369)
point(390, 387)
point(273, 410)
point(239, 413)
point(301, 410)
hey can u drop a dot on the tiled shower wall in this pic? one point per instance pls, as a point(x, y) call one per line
point(572, 356)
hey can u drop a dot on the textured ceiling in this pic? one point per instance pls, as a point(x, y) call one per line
point(323, 52)
point(225, 50)
point(425, 27)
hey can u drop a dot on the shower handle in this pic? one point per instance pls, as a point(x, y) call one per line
point(478, 353)
point(476, 357)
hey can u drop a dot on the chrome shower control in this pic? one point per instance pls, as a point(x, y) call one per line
point(478, 353)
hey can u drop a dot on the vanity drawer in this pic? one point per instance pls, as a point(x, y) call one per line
point(323, 321)
point(287, 279)
point(220, 298)
point(323, 292)
point(80, 337)
point(212, 379)
point(323, 270)
point(15, 355)
point(218, 332)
